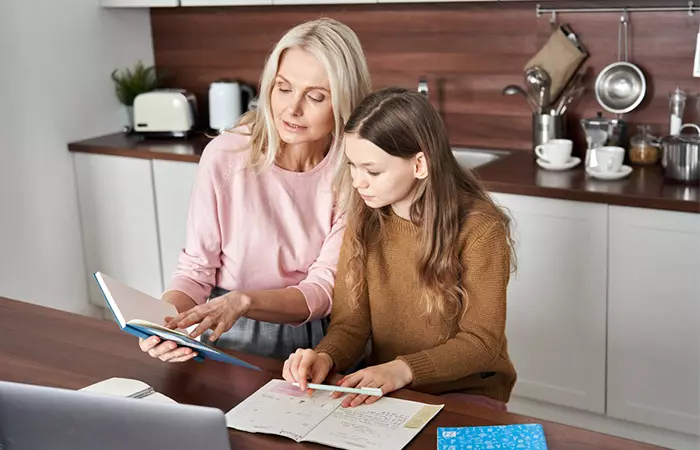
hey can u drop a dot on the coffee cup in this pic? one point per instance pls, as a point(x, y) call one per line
point(609, 159)
point(555, 151)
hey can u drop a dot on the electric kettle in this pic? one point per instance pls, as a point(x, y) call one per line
point(227, 102)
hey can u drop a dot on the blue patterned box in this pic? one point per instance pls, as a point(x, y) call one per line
point(501, 437)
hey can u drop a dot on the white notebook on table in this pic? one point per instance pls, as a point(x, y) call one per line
point(127, 387)
point(282, 409)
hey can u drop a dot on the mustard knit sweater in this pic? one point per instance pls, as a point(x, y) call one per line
point(468, 355)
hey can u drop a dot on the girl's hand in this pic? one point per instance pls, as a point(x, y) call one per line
point(389, 377)
point(303, 365)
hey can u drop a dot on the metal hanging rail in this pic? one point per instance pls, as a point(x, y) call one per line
point(691, 9)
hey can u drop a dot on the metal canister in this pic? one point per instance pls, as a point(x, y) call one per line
point(546, 127)
point(681, 156)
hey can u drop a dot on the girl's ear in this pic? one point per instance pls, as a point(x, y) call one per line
point(420, 168)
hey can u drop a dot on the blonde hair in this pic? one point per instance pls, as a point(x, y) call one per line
point(337, 47)
point(404, 123)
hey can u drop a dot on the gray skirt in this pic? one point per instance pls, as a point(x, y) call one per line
point(272, 340)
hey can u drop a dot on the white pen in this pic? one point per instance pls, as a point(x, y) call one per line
point(376, 392)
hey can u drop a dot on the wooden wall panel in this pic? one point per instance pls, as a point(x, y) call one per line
point(468, 52)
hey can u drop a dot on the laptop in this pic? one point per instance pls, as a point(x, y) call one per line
point(37, 417)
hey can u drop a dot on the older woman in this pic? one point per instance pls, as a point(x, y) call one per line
point(264, 233)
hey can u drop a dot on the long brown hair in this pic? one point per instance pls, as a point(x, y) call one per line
point(403, 123)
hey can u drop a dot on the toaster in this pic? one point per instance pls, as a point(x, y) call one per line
point(165, 113)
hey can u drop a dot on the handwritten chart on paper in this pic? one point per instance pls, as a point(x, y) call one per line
point(282, 409)
point(389, 423)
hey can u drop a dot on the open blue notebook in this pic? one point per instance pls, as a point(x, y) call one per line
point(139, 314)
point(500, 437)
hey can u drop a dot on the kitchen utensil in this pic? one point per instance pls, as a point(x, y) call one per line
point(610, 159)
point(423, 86)
point(533, 94)
point(676, 104)
point(623, 172)
point(621, 86)
point(569, 164)
point(560, 57)
point(696, 59)
point(573, 90)
point(596, 138)
point(555, 151)
point(540, 81)
point(616, 129)
point(574, 95)
point(681, 155)
point(514, 89)
point(600, 132)
point(165, 113)
point(546, 127)
point(226, 102)
point(644, 148)
point(543, 99)
point(575, 81)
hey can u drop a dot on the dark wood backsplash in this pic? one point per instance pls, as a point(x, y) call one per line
point(468, 52)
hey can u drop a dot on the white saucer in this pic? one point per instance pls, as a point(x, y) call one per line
point(570, 164)
point(624, 171)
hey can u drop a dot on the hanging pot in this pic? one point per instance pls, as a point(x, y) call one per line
point(621, 86)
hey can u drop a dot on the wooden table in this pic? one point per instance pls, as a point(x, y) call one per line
point(53, 348)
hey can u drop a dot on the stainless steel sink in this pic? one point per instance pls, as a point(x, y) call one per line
point(473, 158)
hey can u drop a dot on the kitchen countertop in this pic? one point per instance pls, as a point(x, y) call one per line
point(515, 173)
point(135, 146)
point(646, 187)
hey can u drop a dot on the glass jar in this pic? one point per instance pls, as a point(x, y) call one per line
point(644, 148)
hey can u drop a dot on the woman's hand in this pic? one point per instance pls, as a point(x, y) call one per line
point(303, 365)
point(167, 351)
point(389, 377)
point(218, 314)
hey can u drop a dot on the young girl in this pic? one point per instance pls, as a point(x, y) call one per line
point(423, 268)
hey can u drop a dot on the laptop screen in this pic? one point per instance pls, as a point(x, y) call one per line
point(38, 417)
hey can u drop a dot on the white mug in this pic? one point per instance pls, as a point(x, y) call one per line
point(609, 159)
point(555, 151)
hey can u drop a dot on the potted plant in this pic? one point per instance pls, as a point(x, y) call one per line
point(130, 83)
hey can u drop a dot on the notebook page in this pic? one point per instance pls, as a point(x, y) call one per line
point(282, 409)
point(388, 424)
point(129, 303)
point(171, 335)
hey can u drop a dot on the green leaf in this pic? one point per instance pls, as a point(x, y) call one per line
point(131, 82)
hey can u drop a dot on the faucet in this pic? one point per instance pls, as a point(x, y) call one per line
point(423, 86)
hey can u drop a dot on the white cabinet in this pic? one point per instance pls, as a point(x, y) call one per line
point(436, 1)
point(296, 2)
point(224, 2)
point(173, 181)
point(138, 3)
point(654, 318)
point(320, 2)
point(557, 300)
point(118, 218)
